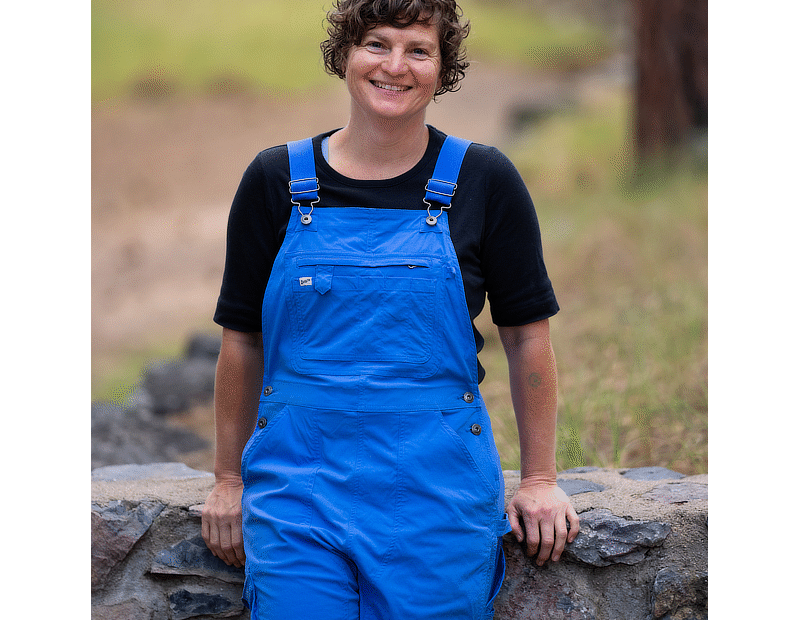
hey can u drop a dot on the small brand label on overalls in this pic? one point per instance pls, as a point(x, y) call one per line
point(306, 281)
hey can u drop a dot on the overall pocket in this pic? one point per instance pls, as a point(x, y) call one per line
point(367, 316)
point(269, 414)
point(470, 430)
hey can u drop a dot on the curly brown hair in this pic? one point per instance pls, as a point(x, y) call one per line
point(350, 20)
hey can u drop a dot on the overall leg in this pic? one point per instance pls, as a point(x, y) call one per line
point(300, 579)
point(294, 568)
point(438, 557)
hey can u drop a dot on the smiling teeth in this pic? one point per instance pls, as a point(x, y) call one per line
point(391, 87)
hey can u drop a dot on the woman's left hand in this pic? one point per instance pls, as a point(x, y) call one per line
point(538, 514)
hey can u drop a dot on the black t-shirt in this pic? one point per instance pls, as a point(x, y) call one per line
point(493, 227)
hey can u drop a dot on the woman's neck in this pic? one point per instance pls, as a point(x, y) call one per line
point(377, 151)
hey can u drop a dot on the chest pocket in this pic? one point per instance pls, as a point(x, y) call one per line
point(361, 315)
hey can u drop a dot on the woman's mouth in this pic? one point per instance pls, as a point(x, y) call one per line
point(391, 87)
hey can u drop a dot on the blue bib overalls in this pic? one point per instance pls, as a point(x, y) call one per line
point(373, 487)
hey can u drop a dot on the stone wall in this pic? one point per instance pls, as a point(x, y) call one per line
point(641, 553)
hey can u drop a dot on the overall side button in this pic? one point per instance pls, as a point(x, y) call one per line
point(468, 397)
point(268, 390)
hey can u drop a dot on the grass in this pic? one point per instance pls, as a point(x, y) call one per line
point(197, 46)
point(626, 249)
point(511, 31)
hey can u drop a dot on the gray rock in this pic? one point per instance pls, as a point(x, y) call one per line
point(192, 557)
point(177, 385)
point(170, 386)
point(131, 433)
point(611, 572)
point(124, 435)
point(678, 593)
point(580, 470)
point(203, 346)
point(188, 603)
point(151, 471)
point(572, 486)
point(678, 493)
point(116, 528)
point(606, 539)
point(651, 473)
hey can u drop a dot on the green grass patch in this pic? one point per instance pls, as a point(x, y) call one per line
point(512, 32)
point(202, 46)
point(626, 249)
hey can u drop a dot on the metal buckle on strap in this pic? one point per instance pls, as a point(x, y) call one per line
point(441, 189)
point(441, 185)
point(305, 188)
point(432, 219)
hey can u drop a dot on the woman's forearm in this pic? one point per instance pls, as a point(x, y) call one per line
point(236, 393)
point(534, 393)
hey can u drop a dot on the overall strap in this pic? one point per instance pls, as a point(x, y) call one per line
point(442, 186)
point(303, 184)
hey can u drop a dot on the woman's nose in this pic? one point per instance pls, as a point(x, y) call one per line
point(395, 63)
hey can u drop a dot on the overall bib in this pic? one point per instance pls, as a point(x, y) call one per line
point(373, 487)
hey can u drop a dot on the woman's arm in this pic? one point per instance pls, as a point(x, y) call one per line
point(236, 394)
point(539, 510)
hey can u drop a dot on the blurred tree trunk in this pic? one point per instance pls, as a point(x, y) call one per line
point(672, 73)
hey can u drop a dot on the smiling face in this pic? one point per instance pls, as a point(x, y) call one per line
point(394, 72)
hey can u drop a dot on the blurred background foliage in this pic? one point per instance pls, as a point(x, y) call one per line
point(195, 46)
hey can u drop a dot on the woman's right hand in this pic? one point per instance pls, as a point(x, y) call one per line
point(222, 522)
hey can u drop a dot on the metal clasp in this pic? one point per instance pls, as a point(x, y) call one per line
point(443, 186)
point(305, 218)
point(432, 219)
point(428, 189)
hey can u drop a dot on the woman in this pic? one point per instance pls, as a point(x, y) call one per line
point(356, 263)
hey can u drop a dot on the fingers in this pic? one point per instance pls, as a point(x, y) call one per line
point(516, 527)
point(527, 529)
point(574, 524)
point(224, 540)
point(560, 527)
point(231, 550)
point(540, 519)
point(222, 528)
point(234, 550)
point(540, 534)
point(532, 534)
